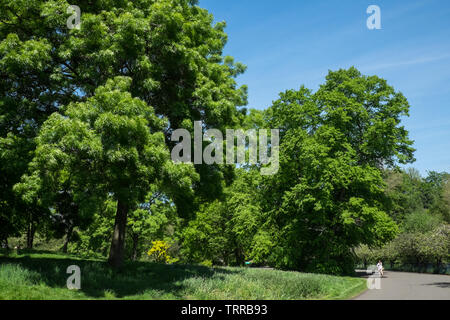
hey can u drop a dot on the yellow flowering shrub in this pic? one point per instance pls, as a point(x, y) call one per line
point(159, 251)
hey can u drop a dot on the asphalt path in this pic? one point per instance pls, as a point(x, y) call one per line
point(407, 286)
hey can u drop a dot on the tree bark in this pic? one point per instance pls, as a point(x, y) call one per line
point(135, 247)
point(30, 233)
point(67, 240)
point(117, 250)
point(239, 257)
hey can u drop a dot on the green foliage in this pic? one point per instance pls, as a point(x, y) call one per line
point(328, 195)
point(93, 88)
point(96, 239)
point(417, 248)
point(421, 222)
point(446, 201)
point(412, 248)
point(226, 231)
point(440, 195)
point(405, 193)
point(409, 193)
point(418, 205)
point(435, 245)
point(204, 238)
point(153, 219)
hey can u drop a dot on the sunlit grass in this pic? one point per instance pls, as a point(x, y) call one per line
point(43, 276)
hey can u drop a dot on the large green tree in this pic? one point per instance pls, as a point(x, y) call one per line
point(113, 142)
point(169, 49)
point(328, 196)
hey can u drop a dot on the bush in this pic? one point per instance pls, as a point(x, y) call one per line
point(365, 256)
point(159, 251)
point(435, 246)
point(420, 248)
point(411, 251)
point(421, 221)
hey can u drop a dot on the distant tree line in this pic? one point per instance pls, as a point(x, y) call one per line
point(421, 207)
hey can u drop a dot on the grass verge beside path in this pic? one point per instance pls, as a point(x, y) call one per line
point(43, 276)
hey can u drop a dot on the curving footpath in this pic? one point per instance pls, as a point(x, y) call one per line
point(409, 286)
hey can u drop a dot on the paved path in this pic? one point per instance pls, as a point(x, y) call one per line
point(409, 286)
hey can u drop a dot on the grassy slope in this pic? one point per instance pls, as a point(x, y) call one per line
point(43, 276)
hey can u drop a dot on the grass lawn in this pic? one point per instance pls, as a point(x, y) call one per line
point(43, 276)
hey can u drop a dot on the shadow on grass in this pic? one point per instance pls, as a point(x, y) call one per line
point(134, 278)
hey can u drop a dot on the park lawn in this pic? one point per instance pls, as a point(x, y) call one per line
point(43, 276)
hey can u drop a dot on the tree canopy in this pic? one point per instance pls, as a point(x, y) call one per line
point(167, 55)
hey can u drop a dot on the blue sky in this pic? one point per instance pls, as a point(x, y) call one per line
point(287, 43)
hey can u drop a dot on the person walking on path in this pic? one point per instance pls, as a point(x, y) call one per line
point(380, 267)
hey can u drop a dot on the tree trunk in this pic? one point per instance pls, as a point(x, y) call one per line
point(116, 253)
point(239, 257)
point(67, 240)
point(135, 247)
point(30, 234)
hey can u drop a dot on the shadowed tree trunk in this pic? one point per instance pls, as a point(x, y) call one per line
point(31, 230)
point(135, 247)
point(30, 236)
point(239, 257)
point(67, 240)
point(116, 253)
